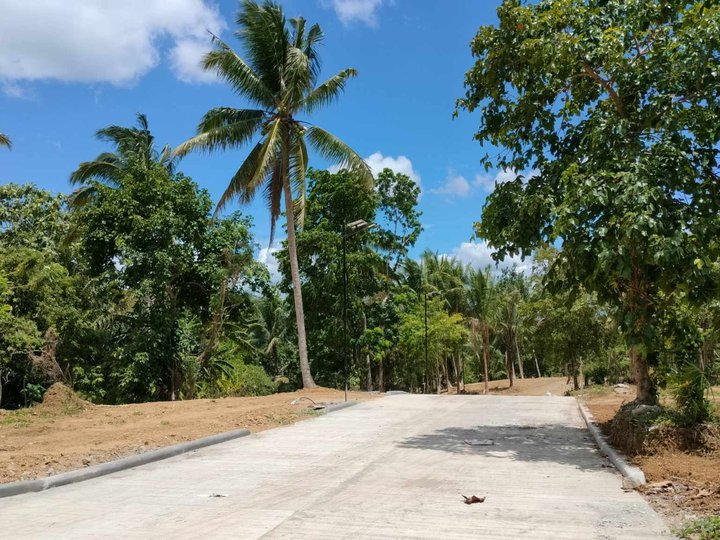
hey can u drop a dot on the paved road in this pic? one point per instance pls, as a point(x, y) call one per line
point(390, 468)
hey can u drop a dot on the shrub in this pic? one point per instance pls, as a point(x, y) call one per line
point(689, 388)
point(707, 528)
point(595, 373)
point(247, 380)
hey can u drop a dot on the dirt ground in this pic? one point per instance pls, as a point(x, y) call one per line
point(523, 387)
point(67, 433)
point(681, 485)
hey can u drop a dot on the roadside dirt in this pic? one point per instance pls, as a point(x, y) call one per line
point(523, 387)
point(681, 485)
point(66, 432)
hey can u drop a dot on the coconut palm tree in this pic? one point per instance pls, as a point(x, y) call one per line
point(479, 295)
point(5, 140)
point(135, 153)
point(278, 75)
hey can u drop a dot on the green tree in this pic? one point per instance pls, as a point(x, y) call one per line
point(135, 153)
point(279, 75)
point(333, 201)
point(479, 297)
point(613, 104)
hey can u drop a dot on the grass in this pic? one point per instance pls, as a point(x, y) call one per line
point(707, 528)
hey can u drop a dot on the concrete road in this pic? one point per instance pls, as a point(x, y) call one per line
point(391, 468)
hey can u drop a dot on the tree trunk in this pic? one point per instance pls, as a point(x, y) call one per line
point(448, 384)
point(307, 377)
point(510, 367)
point(461, 373)
point(486, 354)
point(381, 376)
point(456, 369)
point(519, 359)
point(646, 391)
point(537, 366)
point(576, 384)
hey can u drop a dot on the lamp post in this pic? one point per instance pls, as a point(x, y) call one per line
point(349, 229)
point(426, 295)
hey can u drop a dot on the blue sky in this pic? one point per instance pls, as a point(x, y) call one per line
point(69, 68)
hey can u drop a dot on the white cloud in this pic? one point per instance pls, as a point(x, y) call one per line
point(488, 183)
point(400, 164)
point(454, 186)
point(479, 255)
point(267, 257)
point(355, 10)
point(103, 41)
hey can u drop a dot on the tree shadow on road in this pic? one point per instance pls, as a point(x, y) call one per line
point(554, 443)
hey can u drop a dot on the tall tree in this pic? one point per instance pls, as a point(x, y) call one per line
point(135, 153)
point(479, 293)
point(614, 107)
point(279, 75)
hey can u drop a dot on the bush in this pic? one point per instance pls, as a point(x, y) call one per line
point(247, 380)
point(689, 388)
point(595, 373)
point(707, 528)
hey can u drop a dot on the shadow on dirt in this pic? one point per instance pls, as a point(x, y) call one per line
point(566, 445)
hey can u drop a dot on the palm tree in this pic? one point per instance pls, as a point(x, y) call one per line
point(135, 153)
point(269, 330)
point(479, 290)
point(278, 76)
point(5, 141)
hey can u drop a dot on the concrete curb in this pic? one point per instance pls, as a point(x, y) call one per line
point(339, 406)
point(634, 476)
point(109, 467)
point(78, 475)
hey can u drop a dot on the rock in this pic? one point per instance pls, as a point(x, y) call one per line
point(622, 385)
point(645, 409)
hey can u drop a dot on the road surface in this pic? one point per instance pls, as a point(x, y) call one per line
point(395, 467)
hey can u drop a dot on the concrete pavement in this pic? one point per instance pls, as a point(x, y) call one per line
point(389, 468)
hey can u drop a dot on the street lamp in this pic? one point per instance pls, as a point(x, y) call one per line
point(349, 229)
point(426, 295)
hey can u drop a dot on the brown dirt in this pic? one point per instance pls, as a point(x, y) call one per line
point(65, 432)
point(680, 484)
point(523, 387)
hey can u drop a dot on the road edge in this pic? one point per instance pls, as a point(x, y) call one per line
point(101, 469)
point(635, 477)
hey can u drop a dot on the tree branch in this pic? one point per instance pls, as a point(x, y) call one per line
point(590, 72)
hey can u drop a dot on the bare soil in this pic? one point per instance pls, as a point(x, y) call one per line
point(681, 485)
point(555, 386)
point(65, 432)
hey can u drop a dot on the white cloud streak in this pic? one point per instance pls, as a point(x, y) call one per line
point(267, 257)
point(479, 255)
point(92, 41)
point(454, 186)
point(349, 11)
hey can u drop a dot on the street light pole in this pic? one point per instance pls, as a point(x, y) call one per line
point(345, 329)
point(348, 230)
point(427, 381)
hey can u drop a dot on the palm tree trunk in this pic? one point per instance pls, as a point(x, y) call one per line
point(307, 377)
point(486, 354)
point(519, 359)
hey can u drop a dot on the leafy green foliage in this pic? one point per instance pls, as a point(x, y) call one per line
point(613, 106)
point(706, 528)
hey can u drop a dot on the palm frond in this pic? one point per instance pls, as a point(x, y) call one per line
point(333, 149)
point(107, 166)
point(328, 91)
point(298, 171)
point(230, 67)
point(266, 38)
point(222, 128)
point(5, 141)
point(254, 169)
